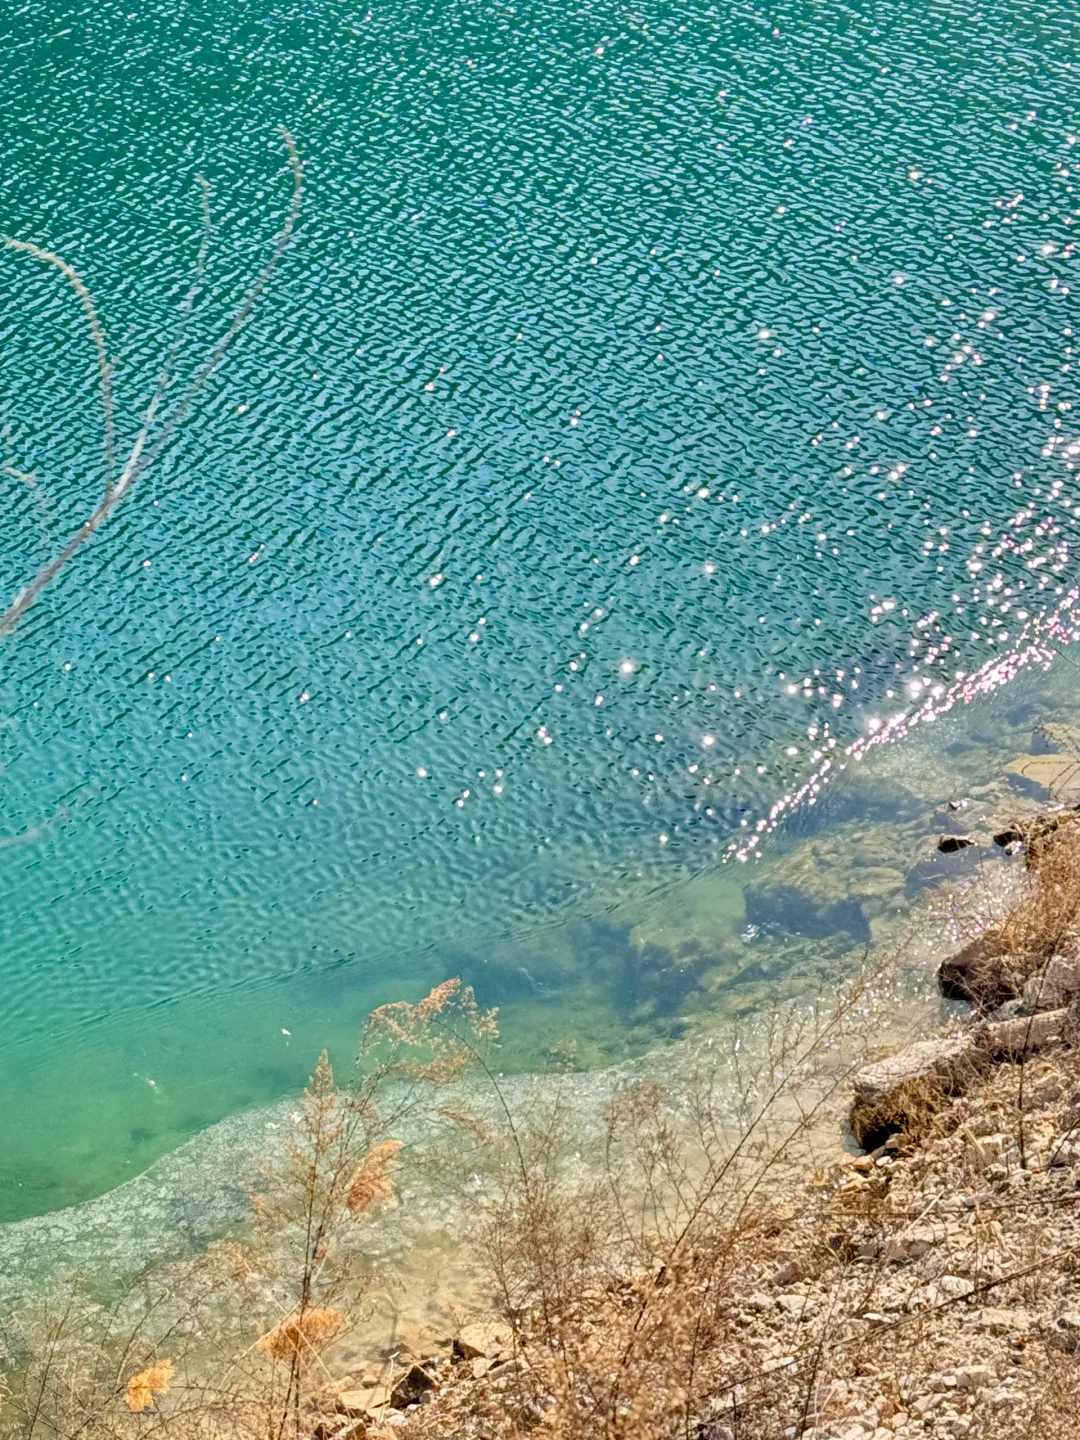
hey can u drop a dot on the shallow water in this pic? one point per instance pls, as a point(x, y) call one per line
point(594, 411)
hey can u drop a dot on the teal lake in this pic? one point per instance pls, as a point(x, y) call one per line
point(650, 397)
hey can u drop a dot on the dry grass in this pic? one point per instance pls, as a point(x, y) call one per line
point(1046, 918)
point(1044, 922)
point(921, 1286)
point(143, 1387)
point(232, 1345)
point(701, 1289)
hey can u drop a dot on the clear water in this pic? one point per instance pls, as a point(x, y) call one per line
point(617, 320)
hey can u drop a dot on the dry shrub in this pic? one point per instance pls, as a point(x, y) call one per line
point(619, 1288)
point(1047, 917)
point(246, 1324)
point(141, 1388)
point(301, 1337)
point(623, 1275)
point(627, 1293)
point(373, 1183)
point(435, 1040)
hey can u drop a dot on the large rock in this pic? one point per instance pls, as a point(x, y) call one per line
point(997, 1321)
point(905, 1089)
point(364, 1400)
point(980, 973)
point(1055, 775)
point(1008, 1039)
point(485, 1340)
point(1053, 986)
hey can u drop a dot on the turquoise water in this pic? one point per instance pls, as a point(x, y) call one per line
point(631, 369)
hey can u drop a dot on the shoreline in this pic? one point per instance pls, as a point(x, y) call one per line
point(173, 1197)
point(924, 1283)
point(199, 1197)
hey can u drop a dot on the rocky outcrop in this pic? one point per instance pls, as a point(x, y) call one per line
point(1012, 1039)
point(980, 974)
point(905, 1089)
point(1053, 986)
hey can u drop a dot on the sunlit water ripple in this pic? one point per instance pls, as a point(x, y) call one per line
point(654, 403)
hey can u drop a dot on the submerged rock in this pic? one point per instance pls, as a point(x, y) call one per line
point(829, 884)
point(1056, 775)
point(869, 797)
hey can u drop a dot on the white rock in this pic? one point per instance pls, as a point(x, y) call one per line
point(955, 1287)
point(1053, 987)
point(974, 1377)
point(801, 1307)
point(1002, 1322)
point(487, 1339)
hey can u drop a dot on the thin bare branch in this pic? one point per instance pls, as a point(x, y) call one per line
point(143, 453)
point(47, 257)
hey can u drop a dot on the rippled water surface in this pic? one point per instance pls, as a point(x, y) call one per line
point(639, 382)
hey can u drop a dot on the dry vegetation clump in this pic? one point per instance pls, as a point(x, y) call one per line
point(1045, 922)
point(144, 1386)
point(233, 1343)
point(1047, 917)
point(930, 1288)
point(619, 1293)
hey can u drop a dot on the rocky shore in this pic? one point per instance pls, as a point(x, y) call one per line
point(926, 1283)
point(930, 1287)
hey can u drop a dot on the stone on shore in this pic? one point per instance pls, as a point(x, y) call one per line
point(979, 973)
point(364, 1400)
point(1053, 986)
point(1007, 1039)
point(486, 1340)
point(411, 1388)
point(903, 1089)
